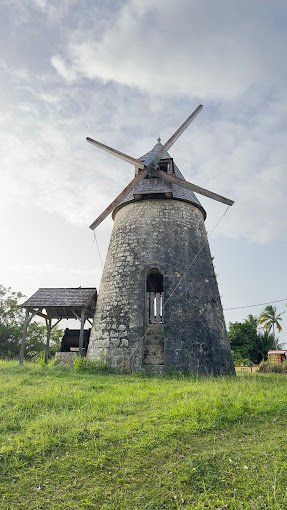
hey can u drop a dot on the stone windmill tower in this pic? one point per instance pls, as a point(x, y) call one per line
point(152, 313)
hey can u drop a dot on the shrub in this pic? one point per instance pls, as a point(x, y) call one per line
point(267, 367)
point(81, 364)
point(41, 359)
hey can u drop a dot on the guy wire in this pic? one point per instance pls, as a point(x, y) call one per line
point(95, 239)
point(184, 274)
point(101, 261)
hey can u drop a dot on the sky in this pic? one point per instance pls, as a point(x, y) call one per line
point(125, 72)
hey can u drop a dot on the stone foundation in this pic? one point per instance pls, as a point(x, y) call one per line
point(153, 344)
point(66, 358)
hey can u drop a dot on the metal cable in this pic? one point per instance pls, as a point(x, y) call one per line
point(95, 239)
point(184, 274)
point(257, 304)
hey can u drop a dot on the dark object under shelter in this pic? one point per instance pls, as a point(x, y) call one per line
point(57, 304)
point(71, 340)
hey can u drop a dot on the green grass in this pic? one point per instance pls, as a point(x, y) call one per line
point(90, 441)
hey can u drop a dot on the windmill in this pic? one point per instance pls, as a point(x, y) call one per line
point(151, 313)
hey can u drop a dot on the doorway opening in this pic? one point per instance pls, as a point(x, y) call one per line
point(153, 347)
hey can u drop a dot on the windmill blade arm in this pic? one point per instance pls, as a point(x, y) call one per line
point(177, 134)
point(129, 159)
point(119, 198)
point(193, 187)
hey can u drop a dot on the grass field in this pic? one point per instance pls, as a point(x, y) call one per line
point(104, 441)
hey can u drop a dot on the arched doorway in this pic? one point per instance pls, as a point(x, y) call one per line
point(153, 352)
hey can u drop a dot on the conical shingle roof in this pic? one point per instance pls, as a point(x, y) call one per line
point(153, 186)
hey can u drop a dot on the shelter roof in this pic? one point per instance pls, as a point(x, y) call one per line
point(157, 185)
point(62, 302)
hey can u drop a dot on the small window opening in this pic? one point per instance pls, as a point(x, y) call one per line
point(154, 298)
point(166, 165)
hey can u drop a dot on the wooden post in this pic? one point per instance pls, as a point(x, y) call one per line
point(152, 307)
point(24, 337)
point(147, 307)
point(150, 310)
point(157, 307)
point(47, 350)
point(81, 339)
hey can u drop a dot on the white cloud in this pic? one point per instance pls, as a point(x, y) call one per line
point(244, 159)
point(40, 4)
point(46, 162)
point(188, 48)
point(20, 73)
point(67, 72)
point(52, 268)
point(191, 47)
point(24, 11)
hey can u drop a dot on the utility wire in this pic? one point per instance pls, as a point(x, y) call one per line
point(257, 304)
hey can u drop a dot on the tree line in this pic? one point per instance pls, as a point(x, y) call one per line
point(250, 340)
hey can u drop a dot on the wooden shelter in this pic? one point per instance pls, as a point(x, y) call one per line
point(56, 304)
point(277, 356)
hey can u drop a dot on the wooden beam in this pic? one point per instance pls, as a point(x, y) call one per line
point(119, 198)
point(202, 191)
point(76, 315)
point(37, 312)
point(147, 298)
point(81, 339)
point(151, 307)
point(155, 159)
point(157, 307)
point(181, 129)
point(56, 323)
point(114, 152)
point(47, 350)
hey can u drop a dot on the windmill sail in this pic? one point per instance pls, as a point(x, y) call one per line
point(150, 166)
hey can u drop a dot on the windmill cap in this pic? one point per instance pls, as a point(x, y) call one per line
point(159, 186)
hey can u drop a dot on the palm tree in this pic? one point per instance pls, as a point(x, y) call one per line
point(269, 320)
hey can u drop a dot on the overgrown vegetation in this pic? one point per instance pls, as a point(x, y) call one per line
point(251, 339)
point(86, 441)
point(271, 367)
point(81, 364)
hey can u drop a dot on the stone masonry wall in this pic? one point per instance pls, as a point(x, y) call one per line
point(167, 235)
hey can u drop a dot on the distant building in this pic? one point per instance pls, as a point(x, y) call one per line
point(277, 356)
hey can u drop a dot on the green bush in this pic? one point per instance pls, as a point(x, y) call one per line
point(41, 359)
point(268, 367)
point(81, 364)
